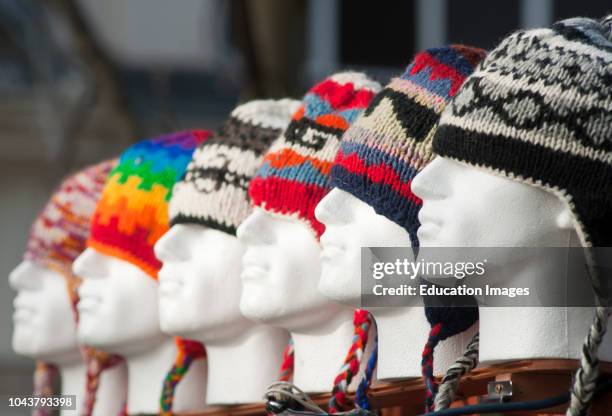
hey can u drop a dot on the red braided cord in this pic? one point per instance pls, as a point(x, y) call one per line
point(362, 321)
point(286, 368)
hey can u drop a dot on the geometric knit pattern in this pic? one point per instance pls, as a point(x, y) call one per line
point(187, 352)
point(390, 143)
point(539, 110)
point(213, 192)
point(294, 176)
point(132, 213)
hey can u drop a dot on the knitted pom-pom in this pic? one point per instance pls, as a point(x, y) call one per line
point(445, 322)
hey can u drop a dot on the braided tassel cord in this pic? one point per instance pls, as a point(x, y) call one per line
point(362, 320)
point(45, 377)
point(585, 379)
point(96, 362)
point(450, 382)
point(286, 369)
point(187, 352)
point(361, 396)
point(431, 386)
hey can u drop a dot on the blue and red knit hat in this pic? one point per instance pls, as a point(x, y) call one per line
point(390, 143)
point(294, 176)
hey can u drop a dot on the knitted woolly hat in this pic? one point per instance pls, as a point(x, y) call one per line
point(390, 142)
point(539, 110)
point(294, 176)
point(57, 237)
point(214, 190)
point(132, 213)
point(59, 233)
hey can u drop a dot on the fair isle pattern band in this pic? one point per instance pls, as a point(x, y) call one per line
point(294, 176)
point(214, 190)
point(539, 109)
point(390, 142)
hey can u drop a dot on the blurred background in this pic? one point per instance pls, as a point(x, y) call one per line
point(82, 79)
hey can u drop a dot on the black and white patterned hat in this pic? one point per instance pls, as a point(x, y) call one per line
point(539, 110)
point(213, 191)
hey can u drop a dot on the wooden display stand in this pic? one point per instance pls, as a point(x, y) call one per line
point(531, 380)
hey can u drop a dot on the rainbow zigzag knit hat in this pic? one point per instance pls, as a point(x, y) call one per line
point(213, 192)
point(390, 142)
point(294, 176)
point(57, 237)
point(132, 213)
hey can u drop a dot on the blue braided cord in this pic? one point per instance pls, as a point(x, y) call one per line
point(361, 396)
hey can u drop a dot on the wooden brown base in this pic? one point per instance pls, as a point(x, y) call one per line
point(531, 379)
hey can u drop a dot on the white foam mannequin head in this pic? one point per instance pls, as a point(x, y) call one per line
point(199, 264)
point(43, 321)
point(351, 224)
point(45, 329)
point(109, 316)
point(466, 206)
point(281, 272)
point(199, 297)
point(118, 313)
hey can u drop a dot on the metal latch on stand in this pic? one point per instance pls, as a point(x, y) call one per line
point(498, 391)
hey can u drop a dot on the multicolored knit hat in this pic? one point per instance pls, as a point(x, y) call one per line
point(295, 177)
point(390, 142)
point(295, 174)
point(132, 213)
point(59, 234)
point(539, 110)
point(213, 192)
point(57, 237)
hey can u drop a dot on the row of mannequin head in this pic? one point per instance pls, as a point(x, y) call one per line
point(354, 166)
